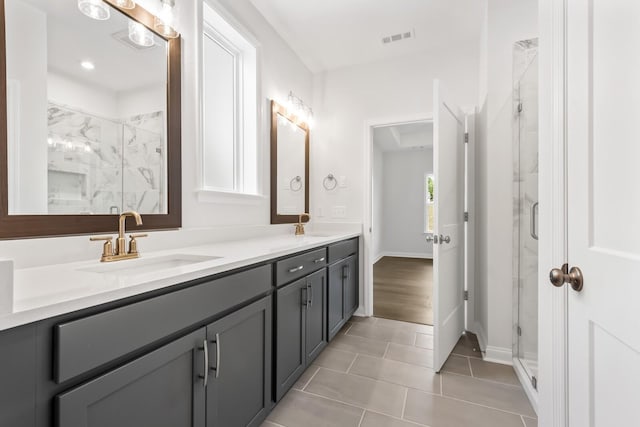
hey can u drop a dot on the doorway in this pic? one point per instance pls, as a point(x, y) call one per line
point(403, 219)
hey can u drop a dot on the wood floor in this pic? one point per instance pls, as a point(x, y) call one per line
point(403, 289)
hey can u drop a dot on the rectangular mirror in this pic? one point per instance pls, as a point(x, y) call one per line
point(92, 118)
point(289, 166)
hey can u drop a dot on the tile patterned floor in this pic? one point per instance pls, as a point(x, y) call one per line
point(378, 373)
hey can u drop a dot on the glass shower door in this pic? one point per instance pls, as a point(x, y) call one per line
point(526, 174)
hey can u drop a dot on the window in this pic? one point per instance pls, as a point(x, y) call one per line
point(429, 204)
point(229, 108)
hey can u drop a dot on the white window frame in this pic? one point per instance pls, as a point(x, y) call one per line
point(247, 153)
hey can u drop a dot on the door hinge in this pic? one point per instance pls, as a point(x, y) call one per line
point(534, 383)
point(466, 217)
point(466, 137)
point(520, 108)
point(466, 295)
point(519, 331)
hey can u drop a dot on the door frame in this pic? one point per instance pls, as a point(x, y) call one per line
point(366, 309)
point(552, 307)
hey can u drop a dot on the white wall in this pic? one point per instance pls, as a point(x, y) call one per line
point(507, 22)
point(394, 90)
point(403, 202)
point(27, 84)
point(377, 203)
point(81, 96)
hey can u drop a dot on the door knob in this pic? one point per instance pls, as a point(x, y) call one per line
point(559, 277)
point(429, 238)
point(445, 239)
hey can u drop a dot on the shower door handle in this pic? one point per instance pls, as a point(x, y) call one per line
point(532, 226)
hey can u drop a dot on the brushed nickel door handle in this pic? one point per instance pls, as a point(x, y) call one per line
point(445, 239)
point(532, 226)
point(205, 377)
point(560, 276)
point(429, 238)
point(294, 269)
point(216, 369)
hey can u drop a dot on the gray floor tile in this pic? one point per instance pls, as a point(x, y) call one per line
point(305, 377)
point(300, 409)
point(437, 411)
point(335, 359)
point(468, 346)
point(362, 392)
point(414, 327)
point(412, 355)
point(383, 333)
point(530, 422)
point(397, 373)
point(494, 372)
point(372, 419)
point(457, 365)
point(424, 340)
point(360, 345)
point(495, 395)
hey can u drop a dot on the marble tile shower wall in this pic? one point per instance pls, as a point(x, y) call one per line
point(101, 166)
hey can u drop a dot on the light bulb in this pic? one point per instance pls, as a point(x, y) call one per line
point(165, 20)
point(95, 9)
point(125, 4)
point(139, 34)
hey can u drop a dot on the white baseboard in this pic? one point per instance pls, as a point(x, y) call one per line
point(531, 393)
point(491, 353)
point(377, 258)
point(403, 255)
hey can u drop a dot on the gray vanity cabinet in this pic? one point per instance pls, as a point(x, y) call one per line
point(300, 328)
point(164, 388)
point(239, 378)
point(343, 294)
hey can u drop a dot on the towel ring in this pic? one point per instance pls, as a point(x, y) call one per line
point(292, 184)
point(330, 178)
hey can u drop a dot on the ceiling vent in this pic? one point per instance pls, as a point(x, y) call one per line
point(123, 37)
point(398, 37)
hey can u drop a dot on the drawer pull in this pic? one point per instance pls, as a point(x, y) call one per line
point(205, 377)
point(294, 269)
point(319, 260)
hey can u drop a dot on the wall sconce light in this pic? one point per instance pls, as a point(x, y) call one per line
point(164, 22)
point(298, 108)
point(140, 35)
point(94, 9)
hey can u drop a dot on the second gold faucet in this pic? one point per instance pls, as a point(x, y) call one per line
point(121, 252)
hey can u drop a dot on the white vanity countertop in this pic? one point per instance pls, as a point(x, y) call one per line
point(44, 292)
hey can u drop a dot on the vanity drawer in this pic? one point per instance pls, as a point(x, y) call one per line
point(298, 266)
point(88, 343)
point(341, 250)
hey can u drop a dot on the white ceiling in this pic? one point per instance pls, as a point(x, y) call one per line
point(407, 136)
point(330, 34)
point(73, 37)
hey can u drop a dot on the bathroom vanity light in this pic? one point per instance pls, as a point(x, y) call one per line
point(140, 35)
point(95, 9)
point(299, 109)
point(165, 20)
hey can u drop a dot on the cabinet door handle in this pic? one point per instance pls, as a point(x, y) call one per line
point(310, 294)
point(205, 377)
point(294, 269)
point(217, 367)
point(532, 226)
point(318, 260)
point(305, 297)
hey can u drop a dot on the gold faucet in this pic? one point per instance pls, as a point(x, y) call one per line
point(120, 252)
point(300, 225)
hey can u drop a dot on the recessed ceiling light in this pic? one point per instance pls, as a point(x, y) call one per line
point(87, 65)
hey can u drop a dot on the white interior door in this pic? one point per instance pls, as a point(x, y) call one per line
point(604, 212)
point(448, 248)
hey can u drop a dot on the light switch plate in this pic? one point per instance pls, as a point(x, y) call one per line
point(339, 212)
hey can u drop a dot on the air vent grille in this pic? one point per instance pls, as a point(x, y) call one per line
point(398, 37)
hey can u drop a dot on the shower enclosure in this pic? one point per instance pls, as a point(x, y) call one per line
point(525, 236)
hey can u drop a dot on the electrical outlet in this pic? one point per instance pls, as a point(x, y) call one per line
point(339, 212)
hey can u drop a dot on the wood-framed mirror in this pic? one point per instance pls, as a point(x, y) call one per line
point(90, 119)
point(289, 166)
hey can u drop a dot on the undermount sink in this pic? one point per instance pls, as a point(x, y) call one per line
point(148, 265)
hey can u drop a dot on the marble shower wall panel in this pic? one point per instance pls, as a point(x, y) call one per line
point(92, 159)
